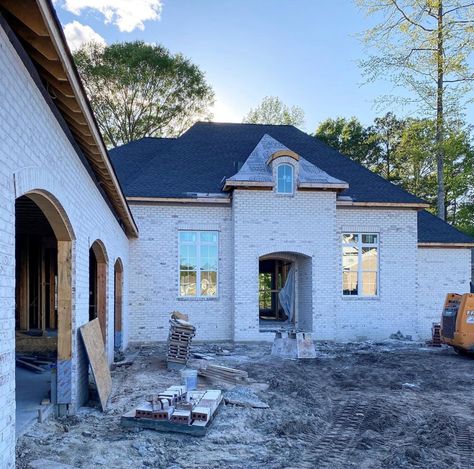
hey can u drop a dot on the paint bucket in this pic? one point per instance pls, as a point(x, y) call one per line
point(189, 379)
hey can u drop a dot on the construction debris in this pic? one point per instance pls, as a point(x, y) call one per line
point(223, 373)
point(179, 340)
point(435, 335)
point(37, 363)
point(176, 410)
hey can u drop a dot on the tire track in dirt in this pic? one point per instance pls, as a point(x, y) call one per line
point(463, 443)
point(333, 449)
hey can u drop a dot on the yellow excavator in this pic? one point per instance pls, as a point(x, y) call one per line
point(457, 322)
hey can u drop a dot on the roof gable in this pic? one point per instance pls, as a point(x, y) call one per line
point(257, 169)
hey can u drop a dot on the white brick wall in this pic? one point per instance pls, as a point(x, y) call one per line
point(265, 223)
point(35, 154)
point(395, 307)
point(440, 271)
point(154, 272)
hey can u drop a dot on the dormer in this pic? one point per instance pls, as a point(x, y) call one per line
point(284, 165)
point(272, 166)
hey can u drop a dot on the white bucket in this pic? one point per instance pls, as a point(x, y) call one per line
point(189, 379)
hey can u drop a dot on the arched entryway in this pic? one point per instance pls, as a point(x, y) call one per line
point(285, 292)
point(98, 285)
point(43, 311)
point(118, 290)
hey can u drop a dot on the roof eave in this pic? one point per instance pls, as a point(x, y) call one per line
point(59, 72)
point(446, 245)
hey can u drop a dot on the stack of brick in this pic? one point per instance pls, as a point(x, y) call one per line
point(175, 405)
point(179, 341)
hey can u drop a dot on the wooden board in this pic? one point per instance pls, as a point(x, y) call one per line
point(92, 337)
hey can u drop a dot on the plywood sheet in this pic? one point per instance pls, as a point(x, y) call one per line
point(92, 337)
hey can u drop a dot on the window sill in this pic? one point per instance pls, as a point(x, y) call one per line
point(362, 298)
point(198, 298)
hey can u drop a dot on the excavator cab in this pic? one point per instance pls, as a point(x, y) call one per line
point(457, 322)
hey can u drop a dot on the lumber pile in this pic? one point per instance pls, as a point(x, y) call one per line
point(38, 363)
point(179, 340)
point(223, 373)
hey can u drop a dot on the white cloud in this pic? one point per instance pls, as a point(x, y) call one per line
point(77, 34)
point(127, 15)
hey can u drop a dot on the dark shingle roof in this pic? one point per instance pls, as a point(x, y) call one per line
point(432, 229)
point(200, 160)
point(208, 152)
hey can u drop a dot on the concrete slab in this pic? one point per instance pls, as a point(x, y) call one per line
point(31, 389)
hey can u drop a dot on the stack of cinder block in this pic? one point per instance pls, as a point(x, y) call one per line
point(179, 340)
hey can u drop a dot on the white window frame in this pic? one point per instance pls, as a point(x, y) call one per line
point(359, 245)
point(198, 263)
point(292, 179)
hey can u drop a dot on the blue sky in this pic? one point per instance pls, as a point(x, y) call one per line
point(303, 51)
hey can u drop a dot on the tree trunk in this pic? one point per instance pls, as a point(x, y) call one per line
point(440, 114)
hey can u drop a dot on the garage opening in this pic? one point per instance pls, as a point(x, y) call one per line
point(42, 308)
point(98, 285)
point(285, 292)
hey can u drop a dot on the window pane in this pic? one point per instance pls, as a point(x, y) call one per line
point(208, 283)
point(369, 283)
point(350, 238)
point(208, 237)
point(187, 283)
point(349, 283)
point(187, 236)
point(369, 258)
point(285, 179)
point(350, 260)
point(369, 238)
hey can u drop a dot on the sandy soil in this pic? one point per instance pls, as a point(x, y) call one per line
point(391, 404)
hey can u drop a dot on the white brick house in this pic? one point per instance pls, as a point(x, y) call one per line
point(227, 216)
point(368, 259)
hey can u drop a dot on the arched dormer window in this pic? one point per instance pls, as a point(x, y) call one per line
point(285, 179)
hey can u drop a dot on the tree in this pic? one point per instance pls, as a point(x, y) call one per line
point(273, 111)
point(425, 47)
point(351, 138)
point(139, 90)
point(389, 130)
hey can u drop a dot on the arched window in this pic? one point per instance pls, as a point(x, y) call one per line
point(285, 179)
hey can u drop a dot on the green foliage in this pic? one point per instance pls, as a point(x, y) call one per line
point(139, 90)
point(273, 111)
point(404, 47)
point(351, 138)
point(408, 148)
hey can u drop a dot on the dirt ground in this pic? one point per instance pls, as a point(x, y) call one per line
point(371, 405)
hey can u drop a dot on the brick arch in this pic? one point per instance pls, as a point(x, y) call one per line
point(50, 195)
point(282, 250)
point(118, 303)
point(98, 282)
point(64, 233)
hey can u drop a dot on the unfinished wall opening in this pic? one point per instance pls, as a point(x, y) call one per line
point(118, 289)
point(285, 292)
point(98, 285)
point(43, 315)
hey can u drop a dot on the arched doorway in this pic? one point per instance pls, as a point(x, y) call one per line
point(285, 292)
point(118, 289)
point(43, 307)
point(98, 285)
